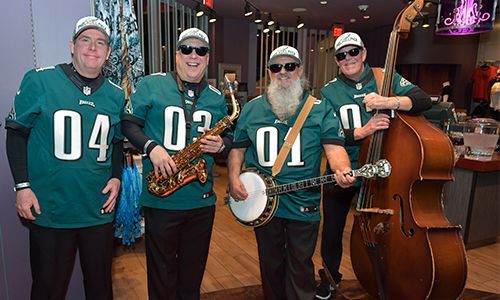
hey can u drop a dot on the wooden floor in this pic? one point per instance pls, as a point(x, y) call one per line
point(233, 258)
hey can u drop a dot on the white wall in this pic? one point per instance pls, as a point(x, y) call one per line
point(489, 46)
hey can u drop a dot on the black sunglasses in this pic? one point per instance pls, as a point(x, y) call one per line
point(290, 67)
point(342, 55)
point(186, 50)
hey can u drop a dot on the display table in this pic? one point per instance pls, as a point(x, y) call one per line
point(472, 200)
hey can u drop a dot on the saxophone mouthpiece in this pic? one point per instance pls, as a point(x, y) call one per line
point(229, 84)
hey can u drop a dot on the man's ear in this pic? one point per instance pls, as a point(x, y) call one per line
point(301, 71)
point(364, 54)
point(109, 52)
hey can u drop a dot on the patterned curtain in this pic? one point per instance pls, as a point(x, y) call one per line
point(125, 64)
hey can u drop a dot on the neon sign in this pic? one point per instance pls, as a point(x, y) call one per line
point(465, 16)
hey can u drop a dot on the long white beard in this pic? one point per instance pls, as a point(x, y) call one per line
point(285, 100)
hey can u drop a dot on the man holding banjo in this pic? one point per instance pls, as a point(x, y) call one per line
point(286, 242)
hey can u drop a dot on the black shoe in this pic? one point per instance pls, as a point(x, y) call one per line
point(325, 289)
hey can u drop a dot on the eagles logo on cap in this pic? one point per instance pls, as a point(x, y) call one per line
point(91, 22)
point(284, 51)
point(348, 39)
point(193, 33)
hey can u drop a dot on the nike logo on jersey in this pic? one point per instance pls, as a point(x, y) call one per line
point(359, 96)
point(85, 102)
point(18, 92)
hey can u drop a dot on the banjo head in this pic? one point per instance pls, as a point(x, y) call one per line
point(258, 208)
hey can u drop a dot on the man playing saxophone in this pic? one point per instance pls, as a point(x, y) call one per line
point(167, 113)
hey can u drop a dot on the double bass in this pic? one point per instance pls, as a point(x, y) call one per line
point(402, 244)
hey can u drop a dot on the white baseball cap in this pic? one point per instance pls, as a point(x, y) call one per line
point(193, 33)
point(284, 51)
point(91, 22)
point(348, 39)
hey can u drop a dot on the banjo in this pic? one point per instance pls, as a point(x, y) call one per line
point(263, 192)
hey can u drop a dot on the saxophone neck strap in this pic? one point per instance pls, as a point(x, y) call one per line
point(290, 139)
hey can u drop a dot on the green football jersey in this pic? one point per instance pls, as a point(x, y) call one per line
point(69, 146)
point(158, 102)
point(263, 134)
point(346, 97)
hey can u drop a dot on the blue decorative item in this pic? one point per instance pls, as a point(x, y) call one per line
point(128, 214)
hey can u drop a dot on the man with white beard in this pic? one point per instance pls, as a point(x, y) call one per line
point(286, 243)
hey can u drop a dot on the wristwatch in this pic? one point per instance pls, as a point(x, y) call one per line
point(222, 147)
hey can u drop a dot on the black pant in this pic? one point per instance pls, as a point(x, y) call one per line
point(177, 243)
point(52, 257)
point(286, 248)
point(336, 205)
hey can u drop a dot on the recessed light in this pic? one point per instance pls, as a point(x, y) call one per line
point(323, 2)
point(366, 17)
point(352, 20)
point(299, 9)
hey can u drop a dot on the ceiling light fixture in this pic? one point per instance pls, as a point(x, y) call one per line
point(258, 18)
point(212, 18)
point(248, 10)
point(270, 20)
point(323, 2)
point(425, 22)
point(363, 8)
point(277, 28)
point(366, 17)
point(199, 11)
point(300, 22)
point(266, 29)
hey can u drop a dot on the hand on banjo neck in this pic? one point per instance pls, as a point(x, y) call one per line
point(262, 199)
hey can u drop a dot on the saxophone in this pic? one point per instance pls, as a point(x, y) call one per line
point(187, 171)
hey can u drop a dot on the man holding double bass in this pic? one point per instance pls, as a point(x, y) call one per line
point(354, 96)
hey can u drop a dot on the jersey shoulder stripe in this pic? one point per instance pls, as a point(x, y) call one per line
point(158, 74)
point(256, 98)
point(45, 68)
point(215, 90)
point(116, 85)
point(331, 81)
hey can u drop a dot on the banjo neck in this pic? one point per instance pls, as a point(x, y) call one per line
point(382, 168)
point(300, 185)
